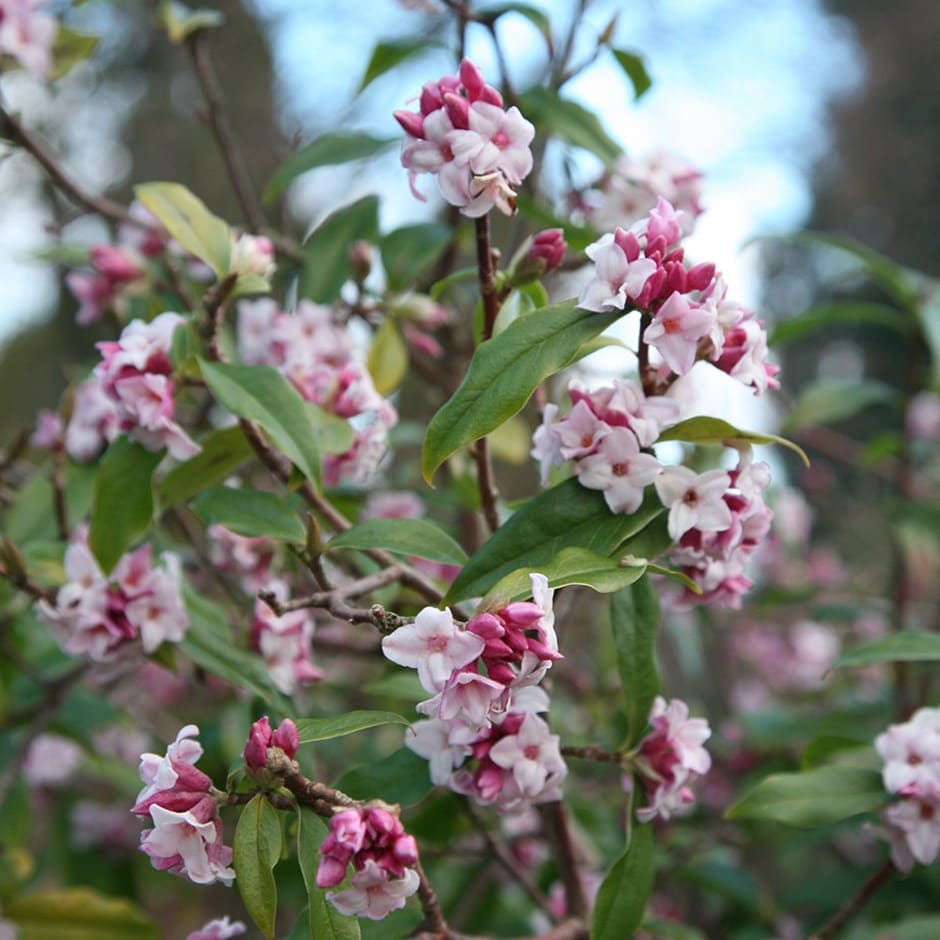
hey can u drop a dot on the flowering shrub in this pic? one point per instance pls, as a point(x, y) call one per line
point(224, 520)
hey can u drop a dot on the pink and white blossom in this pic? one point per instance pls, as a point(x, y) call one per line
point(373, 894)
point(619, 470)
point(694, 500)
point(219, 929)
point(27, 34)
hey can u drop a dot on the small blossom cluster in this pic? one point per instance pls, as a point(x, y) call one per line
point(219, 929)
point(248, 557)
point(261, 737)
point(99, 617)
point(671, 758)
point(690, 315)
point(911, 755)
point(116, 273)
point(186, 838)
point(316, 354)
point(717, 519)
point(479, 150)
point(484, 737)
point(130, 392)
point(383, 857)
point(27, 35)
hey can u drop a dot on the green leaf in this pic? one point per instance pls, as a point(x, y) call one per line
point(815, 798)
point(335, 435)
point(439, 288)
point(327, 248)
point(323, 729)
point(180, 21)
point(835, 400)
point(419, 537)
point(569, 566)
point(504, 372)
point(705, 430)
point(187, 219)
point(263, 395)
point(387, 361)
point(252, 513)
point(408, 252)
point(123, 503)
point(578, 237)
point(222, 453)
point(326, 923)
point(326, 150)
point(570, 121)
point(635, 69)
point(77, 914)
point(634, 618)
point(906, 646)
point(851, 312)
point(566, 516)
point(928, 315)
point(401, 778)
point(257, 850)
point(626, 888)
point(386, 55)
point(68, 49)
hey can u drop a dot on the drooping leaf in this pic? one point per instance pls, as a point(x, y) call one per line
point(263, 395)
point(257, 849)
point(635, 70)
point(848, 312)
point(566, 516)
point(326, 150)
point(906, 646)
point(626, 888)
point(402, 778)
point(223, 452)
point(634, 618)
point(408, 252)
point(180, 21)
point(326, 922)
point(570, 121)
point(504, 372)
point(704, 430)
point(68, 49)
point(835, 400)
point(386, 55)
point(419, 537)
point(252, 513)
point(322, 729)
point(187, 219)
point(123, 502)
point(387, 361)
point(814, 798)
point(77, 914)
point(327, 248)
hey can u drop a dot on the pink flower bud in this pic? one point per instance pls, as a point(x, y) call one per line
point(549, 247)
point(411, 123)
point(472, 79)
point(114, 264)
point(458, 110)
point(700, 276)
point(286, 737)
point(256, 748)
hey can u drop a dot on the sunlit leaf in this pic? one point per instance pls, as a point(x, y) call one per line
point(77, 914)
point(257, 849)
point(323, 729)
point(419, 537)
point(704, 430)
point(68, 49)
point(387, 361)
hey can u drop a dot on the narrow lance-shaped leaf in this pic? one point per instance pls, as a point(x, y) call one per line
point(386, 55)
point(504, 372)
point(704, 430)
point(402, 778)
point(387, 361)
point(323, 729)
point(418, 537)
point(572, 122)
point(906, 646)
point(836, 400)
point(251, 513)
point(257, 850)
point(634, 618)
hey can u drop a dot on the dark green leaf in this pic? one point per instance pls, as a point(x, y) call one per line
point(504, 372)
point(570, 121)
point(123, 504)
point(566, 516)
point(252, 513)
point(836, 399)
point(814, 798)
point(402, 778)
point(263, 395)
point(634, 618)
point(419, 537)
point(386, 55)
point(408, 252)
point(626, 888)
point(705, 430)
point(851, 313)
point(257, 850)
point(77, 914)
point(322, 729)
point(181, 22)
point(222, 453)
point(906, 646)
point(326, 150)
point(68, 49)
point(387, 361)
point(326, 923)
point(635, 70)
point(327, 248)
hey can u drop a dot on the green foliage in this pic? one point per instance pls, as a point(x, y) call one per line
point(635, 69)
point(252, 513)
point(323, 729)
point(570, 121)
point(388, 357)
point(68, 49)
point(626, 888)
point(401, 778)
point(905, 646)
point(180, 22)
point(386, 55)
point(408, 252)
point(257, 850)
point(835, 400)
point(850, 313)
point(419, 537)
point(77, 914)
point(223, 452)
point(703, 430)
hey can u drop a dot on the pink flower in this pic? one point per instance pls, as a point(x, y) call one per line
point(914, 831)
point(219, 929)
point(694, 500)
point(185, 843)
point(371, 893)
point(27, 35)
point(620, 470)
point(253, 255)
point(911, 752)
point(532, 755)
point(617, 277)
point(51, 760)
point(676, 330)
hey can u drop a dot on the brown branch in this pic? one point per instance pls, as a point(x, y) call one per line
point(856, 903)
point(593, 753)
point(20, 581)
point(555, 818)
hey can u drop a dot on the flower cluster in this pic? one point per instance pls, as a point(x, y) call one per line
point(911, 752)
point(670, 758)
point(690, 316)
point(248, 557)
point(484, 702)
point(383, 857)
point(27, 34)
point(186, 838)
point(479, 151)
point(99, 616)
point(130, 391)
point(261, 737)
point(317, 355)
point(115, 272)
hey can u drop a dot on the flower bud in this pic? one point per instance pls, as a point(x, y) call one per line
point(286, 738)
point(360, 260)
point(256, 748)
point(548, 247)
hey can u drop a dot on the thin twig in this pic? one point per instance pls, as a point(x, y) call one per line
point(555, 816)
point(856, 903)
point(593, 753)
